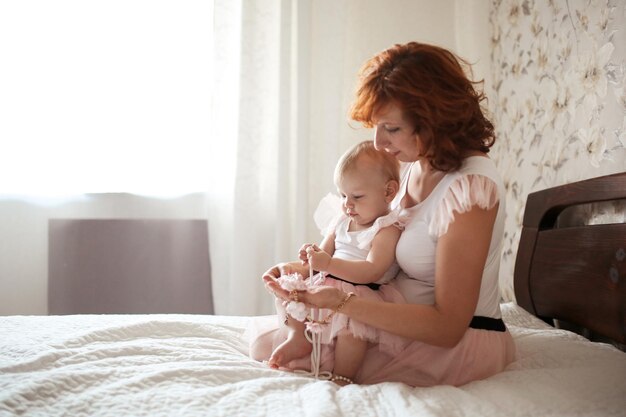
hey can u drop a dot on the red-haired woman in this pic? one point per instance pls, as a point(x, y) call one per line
point(427, 113)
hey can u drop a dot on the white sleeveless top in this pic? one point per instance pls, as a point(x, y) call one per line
point(356, 245)
point(477, 182)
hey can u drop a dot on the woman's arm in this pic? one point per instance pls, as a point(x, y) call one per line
point(379, 259)
point(460, 260)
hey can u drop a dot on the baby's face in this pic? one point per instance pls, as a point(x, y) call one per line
point(364, 196)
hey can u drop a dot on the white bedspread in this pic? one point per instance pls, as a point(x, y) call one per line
point(168, 365)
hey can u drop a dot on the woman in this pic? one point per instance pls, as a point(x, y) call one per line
point(426, 113)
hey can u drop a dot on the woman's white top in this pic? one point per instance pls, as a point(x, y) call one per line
point(477, 182)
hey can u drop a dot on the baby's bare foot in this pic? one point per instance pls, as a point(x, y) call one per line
point(294, 347)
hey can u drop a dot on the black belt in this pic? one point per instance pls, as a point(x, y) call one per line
point(487, 323)
point(371, 285)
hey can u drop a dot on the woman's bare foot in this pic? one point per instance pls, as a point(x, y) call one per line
point(296, 346)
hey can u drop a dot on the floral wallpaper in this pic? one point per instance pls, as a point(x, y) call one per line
point(558, 101)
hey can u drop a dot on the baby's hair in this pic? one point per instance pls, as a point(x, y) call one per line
point(388, 165)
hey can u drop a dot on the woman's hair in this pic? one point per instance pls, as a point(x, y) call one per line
point(429, 85)
point(385, 163)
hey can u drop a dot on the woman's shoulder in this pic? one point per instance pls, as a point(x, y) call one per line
point(476, 167)
point(479, 168)
point(476, 183)
point(479, 165)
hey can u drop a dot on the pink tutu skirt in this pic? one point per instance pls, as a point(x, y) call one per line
point(479, 354)
point(341, 323)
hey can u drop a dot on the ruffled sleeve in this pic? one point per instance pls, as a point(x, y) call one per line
point(328, 214)
point(393, 218)
point(464, 193)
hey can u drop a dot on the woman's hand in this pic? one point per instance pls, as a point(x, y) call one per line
point(321, 297)
point(284, 268)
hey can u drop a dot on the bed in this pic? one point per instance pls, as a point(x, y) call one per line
point(193, 365)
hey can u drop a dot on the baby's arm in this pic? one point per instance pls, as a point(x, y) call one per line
point(379, 259)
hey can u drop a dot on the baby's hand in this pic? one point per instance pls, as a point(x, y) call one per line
point(318, 259)
point(302, 255)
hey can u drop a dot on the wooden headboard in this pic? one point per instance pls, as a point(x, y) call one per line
point(575, 274)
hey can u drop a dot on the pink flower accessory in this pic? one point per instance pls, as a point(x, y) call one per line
point(294, 283)
point(315, 327)
point(297, 310)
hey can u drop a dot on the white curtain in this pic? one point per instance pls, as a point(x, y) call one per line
point(285, 75)
point(258, 147)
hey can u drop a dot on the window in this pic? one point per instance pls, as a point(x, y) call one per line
point(104, 96)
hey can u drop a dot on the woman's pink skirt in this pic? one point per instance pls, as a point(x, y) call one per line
point(479, 354)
